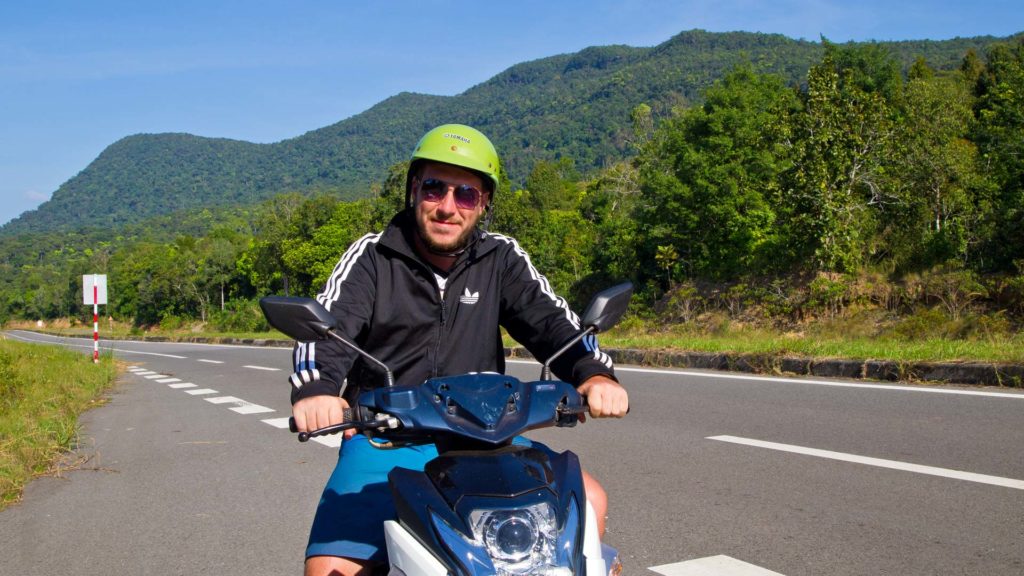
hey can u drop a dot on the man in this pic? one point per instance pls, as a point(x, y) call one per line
point(427, 297)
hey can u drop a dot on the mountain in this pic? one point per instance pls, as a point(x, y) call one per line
point(576, 105)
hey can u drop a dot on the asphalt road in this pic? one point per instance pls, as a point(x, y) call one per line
point(711, 473)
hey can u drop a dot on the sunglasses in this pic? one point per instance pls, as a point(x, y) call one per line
point(466, 197)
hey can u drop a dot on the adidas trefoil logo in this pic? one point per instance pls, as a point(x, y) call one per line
point(469, 297)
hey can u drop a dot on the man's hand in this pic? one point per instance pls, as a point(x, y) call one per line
point(318, 412)
point(605, 396)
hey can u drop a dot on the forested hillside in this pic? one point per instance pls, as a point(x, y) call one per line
point(876, 186)
point(574, 106)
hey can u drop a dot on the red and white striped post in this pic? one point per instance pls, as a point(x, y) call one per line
point(94, 291)
point(95, 319)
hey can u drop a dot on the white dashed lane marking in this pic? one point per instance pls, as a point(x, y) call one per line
point(241, 406)
point(712, 566)
point(879, 462)
point(210, 361)
point(231, 402)
point(332, 441)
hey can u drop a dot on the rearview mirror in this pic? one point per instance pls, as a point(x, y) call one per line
point(607, 307)
point(303, 319)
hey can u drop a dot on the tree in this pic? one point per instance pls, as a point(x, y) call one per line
point(611, 202)
point(710, 180)
point(388, 198)
point(944, 196)
point(554, 185)
point(285, 217)
point(1000, 137)
point(842, 144)
point(310, 257)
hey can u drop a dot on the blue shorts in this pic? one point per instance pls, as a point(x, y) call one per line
point(349, 521)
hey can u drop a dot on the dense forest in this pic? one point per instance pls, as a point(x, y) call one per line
point(876, 180)
point(570, 105)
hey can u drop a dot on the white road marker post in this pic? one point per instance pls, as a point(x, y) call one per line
point(94, 291)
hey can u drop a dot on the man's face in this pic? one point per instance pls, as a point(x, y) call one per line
point(444, 224)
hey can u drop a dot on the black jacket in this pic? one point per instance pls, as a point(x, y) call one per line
point(387, 301)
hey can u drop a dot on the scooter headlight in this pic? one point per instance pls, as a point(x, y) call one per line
point(518, 540)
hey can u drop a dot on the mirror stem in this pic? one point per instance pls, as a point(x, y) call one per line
point(374, 361)
point(545, 373)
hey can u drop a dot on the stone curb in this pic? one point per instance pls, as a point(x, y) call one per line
point(972, 373)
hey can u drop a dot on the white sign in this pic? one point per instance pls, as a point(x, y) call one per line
point(99, 281)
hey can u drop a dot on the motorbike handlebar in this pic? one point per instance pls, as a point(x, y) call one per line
point(565, 416)
point(583, 408)
point(346, 424)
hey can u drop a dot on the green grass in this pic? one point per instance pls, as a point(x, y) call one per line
point(43, 389)
point(1009, 349)
point(124, 333)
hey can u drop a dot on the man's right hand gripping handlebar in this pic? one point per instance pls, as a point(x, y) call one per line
point(318, 412)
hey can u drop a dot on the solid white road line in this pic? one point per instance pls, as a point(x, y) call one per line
point(89, 347)
point(281, 423)
point(201, 391)
point(734, 376)
point(712, 566)
point(210, 361)
point(891, 464)
point(708, 374)
point(182, 385)
point(263, 368)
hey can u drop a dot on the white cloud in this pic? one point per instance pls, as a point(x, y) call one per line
point(36, 196)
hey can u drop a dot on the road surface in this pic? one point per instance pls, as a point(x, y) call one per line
point(186, 471)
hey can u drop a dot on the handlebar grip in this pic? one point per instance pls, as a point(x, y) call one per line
point(305, 436)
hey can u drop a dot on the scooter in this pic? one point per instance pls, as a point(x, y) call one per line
point(484, 505)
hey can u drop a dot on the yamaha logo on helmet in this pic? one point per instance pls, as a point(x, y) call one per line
point(457, 137)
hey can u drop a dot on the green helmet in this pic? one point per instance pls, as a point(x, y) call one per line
point(461, 146)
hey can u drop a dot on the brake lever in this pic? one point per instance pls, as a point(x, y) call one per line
point(345, 424)
point(381, 421)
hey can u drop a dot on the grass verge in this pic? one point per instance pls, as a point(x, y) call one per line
point(43, 389)
point(1001, 350)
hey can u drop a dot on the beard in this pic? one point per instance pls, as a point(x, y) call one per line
point(446, 247)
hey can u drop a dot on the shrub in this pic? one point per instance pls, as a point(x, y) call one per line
point(955, 288)
point(828, 294)
point(682, 303)
point(171, 322)
point(239, 316)
point(994, 326)
point(923, 324)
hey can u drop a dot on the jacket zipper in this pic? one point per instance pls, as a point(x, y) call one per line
point(437, 341)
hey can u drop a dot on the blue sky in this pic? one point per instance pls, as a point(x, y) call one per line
point(76, 76)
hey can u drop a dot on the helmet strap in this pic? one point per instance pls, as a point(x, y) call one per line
point(488, 216)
